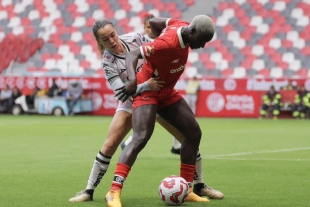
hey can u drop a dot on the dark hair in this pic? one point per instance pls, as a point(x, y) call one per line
point(100, 23)
point(147, 17)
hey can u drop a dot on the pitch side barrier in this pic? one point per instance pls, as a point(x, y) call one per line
point(216, 97)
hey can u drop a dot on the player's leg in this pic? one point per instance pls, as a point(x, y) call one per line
point(276, 111)
point(179, 115)
point(295, 111)
point(143, 122)
point(200, 187)
point(176, 147)
point(190, 101)
point(194, 103)
point(263, 111)
point(178, 137)
point(119, 127)
point(126, 142)
point(303, 111)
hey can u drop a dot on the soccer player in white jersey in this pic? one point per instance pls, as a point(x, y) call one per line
point(113, 49)
point(176, 147)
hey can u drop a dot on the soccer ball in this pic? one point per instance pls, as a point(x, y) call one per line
point(173, 190)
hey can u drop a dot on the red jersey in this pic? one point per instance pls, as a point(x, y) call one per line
point(165, 57)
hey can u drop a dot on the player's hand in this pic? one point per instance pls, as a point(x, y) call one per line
point(155, 84)
point(124, 92)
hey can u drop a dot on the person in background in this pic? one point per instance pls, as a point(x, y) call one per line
point(15, 94)
point(272, 100)
point(5, 96)
point(30, 99)
point(298, 103)
point(74, 94)
point(176, 145)
point(54, 90)
point(305, 105)
point(288, 87)
point(192, 91)
point(147, 28)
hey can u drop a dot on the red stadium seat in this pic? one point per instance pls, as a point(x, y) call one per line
point(227, 73)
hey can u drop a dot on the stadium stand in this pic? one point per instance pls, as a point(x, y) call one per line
point(260, 38)
point(65, 29)
point(254, 38)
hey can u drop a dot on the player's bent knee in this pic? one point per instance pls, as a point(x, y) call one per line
point(139, 143)
point(109, 145)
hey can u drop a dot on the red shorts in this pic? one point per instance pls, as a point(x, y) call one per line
point(161, 100)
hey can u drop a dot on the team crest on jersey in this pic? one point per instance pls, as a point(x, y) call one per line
point(149, 50)
point(107, 57)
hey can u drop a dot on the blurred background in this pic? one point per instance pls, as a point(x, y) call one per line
point(258, 44)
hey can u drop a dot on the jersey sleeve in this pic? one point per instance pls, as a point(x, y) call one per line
point(142, 87)
point(151, 50)
point(141, 40)
point(112, 76)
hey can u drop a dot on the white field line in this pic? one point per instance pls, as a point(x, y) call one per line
point(259, 159)
point(258, 152)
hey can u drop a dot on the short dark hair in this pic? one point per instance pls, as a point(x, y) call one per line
point(147, 17)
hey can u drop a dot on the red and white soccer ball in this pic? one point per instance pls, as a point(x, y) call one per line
point(173, 190)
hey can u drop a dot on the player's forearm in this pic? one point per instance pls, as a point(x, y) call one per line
point(131, 63)
point(142, 87)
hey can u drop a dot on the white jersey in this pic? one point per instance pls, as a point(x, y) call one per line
point(114, 65)
point(149, 38)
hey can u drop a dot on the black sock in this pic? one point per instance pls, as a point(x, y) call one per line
point(89, 191)
point(199, 186)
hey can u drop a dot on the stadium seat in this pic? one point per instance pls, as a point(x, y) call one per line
point(263, 37)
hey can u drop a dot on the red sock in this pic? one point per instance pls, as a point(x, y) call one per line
point(188, 172)
point(120, 176)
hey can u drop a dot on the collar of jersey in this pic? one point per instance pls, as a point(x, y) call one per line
point(180, 37)
point(126, 47)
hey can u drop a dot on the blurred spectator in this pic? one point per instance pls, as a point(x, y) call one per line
point(272, 101)
point(192, 88)
point(298, 103)
point(15, 94)
point(289, 86)
point(54, 90)
point(36, 93)
point(74, 94)
point(5, 96)
point(147, 28)
point(305, 105)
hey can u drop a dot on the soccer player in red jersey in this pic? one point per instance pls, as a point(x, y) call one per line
point(165, 57)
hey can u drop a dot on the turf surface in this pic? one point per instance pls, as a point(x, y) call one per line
point(45, 160)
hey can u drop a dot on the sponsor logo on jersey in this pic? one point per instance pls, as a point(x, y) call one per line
point(175, 61)
point(149, 50)
point(107, 72)
point(178, 69)
point(107, 57)
point(119, 179)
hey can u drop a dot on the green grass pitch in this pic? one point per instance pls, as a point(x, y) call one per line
point(45, 160)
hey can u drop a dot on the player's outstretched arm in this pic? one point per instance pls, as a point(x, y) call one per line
point(153, 84)
point(157, 25)
point(131, 86)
